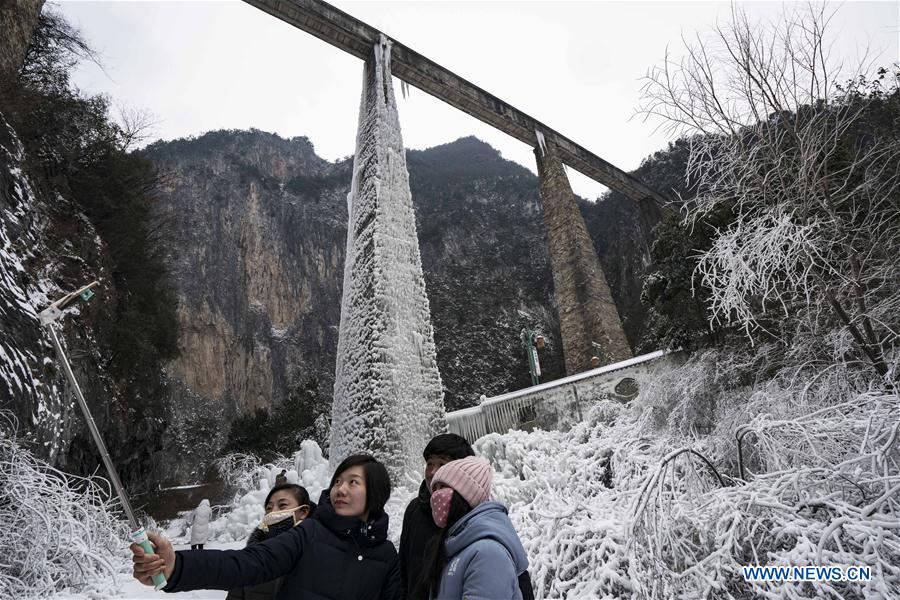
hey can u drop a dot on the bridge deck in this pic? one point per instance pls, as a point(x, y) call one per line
point(357, 38)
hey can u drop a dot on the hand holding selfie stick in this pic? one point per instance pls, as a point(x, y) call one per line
point(48, 317)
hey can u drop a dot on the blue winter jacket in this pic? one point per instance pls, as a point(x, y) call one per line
point(484, 557)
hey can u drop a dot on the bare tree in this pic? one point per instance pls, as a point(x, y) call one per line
point(56, 46)
point(813, 186)
point(136, 125)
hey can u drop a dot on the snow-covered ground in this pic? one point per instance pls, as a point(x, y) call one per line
point(125, 587)
point(626, 506)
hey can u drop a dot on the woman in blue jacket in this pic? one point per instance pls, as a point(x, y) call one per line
point(340, 553)
point(477, 555)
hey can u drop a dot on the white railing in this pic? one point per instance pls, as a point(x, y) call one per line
point(508, 411)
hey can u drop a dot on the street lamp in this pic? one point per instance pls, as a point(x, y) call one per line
point(532, 341)
point(48, 317)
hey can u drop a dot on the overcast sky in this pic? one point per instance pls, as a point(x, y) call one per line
point(576, 66)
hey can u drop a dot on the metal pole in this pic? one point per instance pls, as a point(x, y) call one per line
point(528, 342)
point(577, 403)
point(92, 426)
point(47, 317)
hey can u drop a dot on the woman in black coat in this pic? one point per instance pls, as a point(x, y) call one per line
point(341, 553)
point(286, 506)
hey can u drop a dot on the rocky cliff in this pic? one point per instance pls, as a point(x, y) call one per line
point(254, 235)
point(258, 233)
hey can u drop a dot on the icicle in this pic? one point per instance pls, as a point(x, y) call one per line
point(383, 59)
point(542, 143)
point(404, 89)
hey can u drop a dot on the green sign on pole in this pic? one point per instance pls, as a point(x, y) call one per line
point(531, 354)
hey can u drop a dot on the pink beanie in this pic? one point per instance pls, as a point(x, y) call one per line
point(470, 477)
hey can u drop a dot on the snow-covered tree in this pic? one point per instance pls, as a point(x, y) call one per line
point(810, 170)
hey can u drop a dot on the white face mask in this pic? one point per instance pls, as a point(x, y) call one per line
point(277, 516)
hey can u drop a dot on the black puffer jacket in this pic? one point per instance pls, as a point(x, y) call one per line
point(418, 529)
point(269, 589)
point(327, 557)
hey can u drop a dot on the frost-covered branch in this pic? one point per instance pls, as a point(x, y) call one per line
point(811, 182)
point(57, 531)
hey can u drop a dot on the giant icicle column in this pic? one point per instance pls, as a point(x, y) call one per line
point(388, 399)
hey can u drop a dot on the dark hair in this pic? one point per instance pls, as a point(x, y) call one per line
point(448, 444)
point(378, 482)
point(436, 553)
point(299, 492)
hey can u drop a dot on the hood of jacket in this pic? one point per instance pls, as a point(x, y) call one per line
point(369, 533)
point(488, 520)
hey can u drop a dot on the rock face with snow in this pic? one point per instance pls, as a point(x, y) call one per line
point(256, 254)
point(49, 247)
point(388, 398)
point(23, 355)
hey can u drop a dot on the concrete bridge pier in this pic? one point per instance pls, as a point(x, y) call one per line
point(587, 312)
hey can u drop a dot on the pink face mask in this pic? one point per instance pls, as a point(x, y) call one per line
point(440, 505)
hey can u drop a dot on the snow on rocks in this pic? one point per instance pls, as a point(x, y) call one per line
point(388, 398)
point(24, 380)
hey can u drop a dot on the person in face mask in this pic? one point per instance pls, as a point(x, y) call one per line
point(477, 553)
point(341, 553)
point(286, 505)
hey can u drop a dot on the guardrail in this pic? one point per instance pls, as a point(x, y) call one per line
point(552, 405)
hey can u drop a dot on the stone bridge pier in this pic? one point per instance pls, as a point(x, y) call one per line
point(587, 312)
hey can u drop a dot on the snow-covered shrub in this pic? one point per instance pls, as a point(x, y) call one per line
point(691, 397)
point(826, 491)
point(635, 502)
point(239, 470)
point(57, 531)
point(253, 479)
point(564, 503)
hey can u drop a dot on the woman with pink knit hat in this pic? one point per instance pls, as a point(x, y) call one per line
point(477, 555)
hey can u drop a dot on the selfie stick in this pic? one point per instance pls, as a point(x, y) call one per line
point(48, 316)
